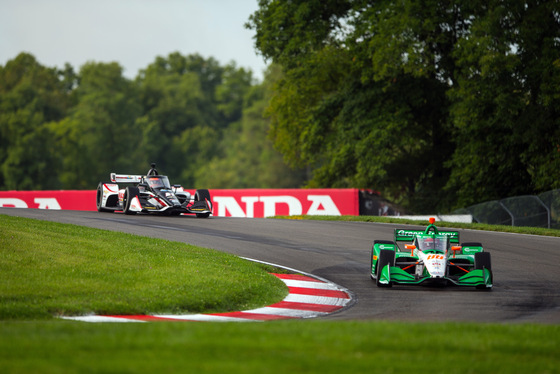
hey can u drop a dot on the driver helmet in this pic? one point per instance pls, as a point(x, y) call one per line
point(427, 243)
point(156, 182)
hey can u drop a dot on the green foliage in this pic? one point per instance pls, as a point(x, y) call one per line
point(287, 31)
point(31, 96)
point(436, 104)
point(172, 96)
point(200, 122)
point(98, 133)
point(505, 106)
point(247, 158)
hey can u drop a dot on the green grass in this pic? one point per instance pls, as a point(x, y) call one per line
point(472, 226)
point(48, 269)
point(277, 347)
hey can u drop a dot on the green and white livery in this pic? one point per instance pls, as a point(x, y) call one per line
point(430, 257)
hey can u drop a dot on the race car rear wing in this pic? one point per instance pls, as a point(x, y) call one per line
point(402, 235)
point(125, 178)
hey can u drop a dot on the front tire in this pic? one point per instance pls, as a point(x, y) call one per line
point(386, 257)
point(482, 260)
point(372, 269)
point(202, 195)
point(99, 199)
point(129, 194)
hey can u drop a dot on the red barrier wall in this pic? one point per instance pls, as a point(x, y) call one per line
point(227, 203)
point(65, 200)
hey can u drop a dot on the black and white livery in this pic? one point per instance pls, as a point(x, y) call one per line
point(150, 193)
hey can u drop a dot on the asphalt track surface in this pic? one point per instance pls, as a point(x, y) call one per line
point(526, 267)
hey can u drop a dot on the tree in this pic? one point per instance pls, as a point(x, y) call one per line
point(180, 124)
point(335, 112)
point(246, 158)
point(435, 103)
point(505, 105)
point(31, 96)
point(231, 92)
point(98, 135)
point(199, 121)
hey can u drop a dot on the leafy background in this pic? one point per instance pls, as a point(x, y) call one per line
point(436, 104)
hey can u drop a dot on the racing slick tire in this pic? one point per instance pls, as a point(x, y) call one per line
point(373, 272)
point(129, 194)
point(482, 260)
point(99, 199)
point(386, 257)
point(202, 195)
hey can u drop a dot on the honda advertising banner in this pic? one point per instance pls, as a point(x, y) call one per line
point(61, 200)
point(251, 203)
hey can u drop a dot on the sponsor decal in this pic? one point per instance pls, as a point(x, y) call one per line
point(290, 202)
point(40, 202)
point(409, 232)
point(226, 203)
point(57, 200)
point(320, 205)
point(414, 232)
point(435, 257)
point(470, 249)
point(448, 233)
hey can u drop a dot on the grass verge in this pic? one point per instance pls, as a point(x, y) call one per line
point(471, 226)
point(277, 347)
point(51, 269)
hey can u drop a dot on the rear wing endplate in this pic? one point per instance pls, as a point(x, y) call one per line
point(402, 235)
point(125, 178)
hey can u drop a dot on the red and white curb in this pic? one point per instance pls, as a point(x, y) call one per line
point(309, 297)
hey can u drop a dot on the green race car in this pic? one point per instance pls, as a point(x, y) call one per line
point(430, 257)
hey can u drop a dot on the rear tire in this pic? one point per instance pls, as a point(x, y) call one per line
point(129, 194)
point(386, 257)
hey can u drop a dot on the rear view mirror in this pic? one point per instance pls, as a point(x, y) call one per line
point(412, 247)
point(456, 249)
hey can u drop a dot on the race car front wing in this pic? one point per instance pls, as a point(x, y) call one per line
point(479, 278)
